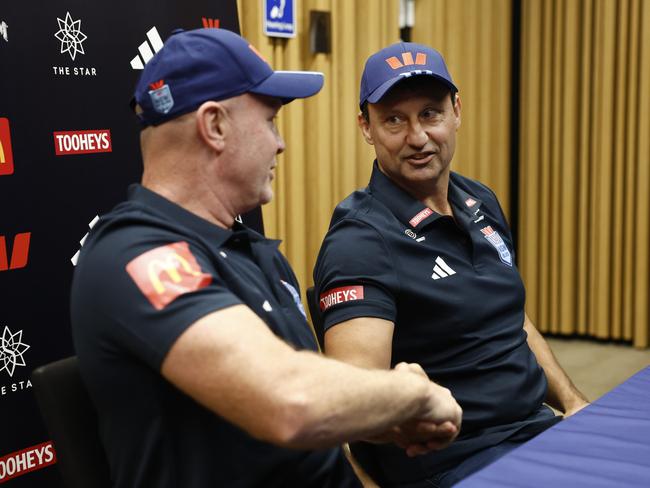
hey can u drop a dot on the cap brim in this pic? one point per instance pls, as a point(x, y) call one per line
point(381, 90)
point(289, 85)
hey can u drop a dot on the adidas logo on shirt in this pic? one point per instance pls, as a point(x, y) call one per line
point(441, 269)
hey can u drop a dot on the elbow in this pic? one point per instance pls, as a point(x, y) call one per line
point(296, 425)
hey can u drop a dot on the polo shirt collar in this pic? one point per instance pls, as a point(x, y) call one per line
point(217, 235)
point(460, 199)
point(411, 211)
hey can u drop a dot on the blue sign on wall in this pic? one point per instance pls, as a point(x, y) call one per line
point(280, 18)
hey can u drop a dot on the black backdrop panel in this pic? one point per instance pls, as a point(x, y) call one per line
point(65, 67)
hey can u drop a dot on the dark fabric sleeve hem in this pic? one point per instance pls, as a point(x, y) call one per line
point(347, 313)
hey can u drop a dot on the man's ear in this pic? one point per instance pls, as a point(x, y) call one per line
point(364, 125)
point(213, 124)
point(457, 107)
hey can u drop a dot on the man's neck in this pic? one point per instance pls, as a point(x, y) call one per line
point(434, 194)
point(194, 199)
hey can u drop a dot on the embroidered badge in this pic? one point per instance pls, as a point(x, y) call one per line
point(495, 239)
point(296, 297)
point(167, 272)
point(161, 97)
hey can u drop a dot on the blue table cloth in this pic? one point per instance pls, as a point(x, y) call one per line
point(604, 445)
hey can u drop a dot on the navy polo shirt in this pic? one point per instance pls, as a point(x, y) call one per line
point(451, 287)
point(148, 270)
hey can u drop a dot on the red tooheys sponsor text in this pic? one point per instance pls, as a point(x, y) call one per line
point(82, 142)
point(423, 214)
point(30, 459)
point(340, 295)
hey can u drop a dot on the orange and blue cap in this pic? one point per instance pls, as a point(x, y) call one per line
point(398, 62)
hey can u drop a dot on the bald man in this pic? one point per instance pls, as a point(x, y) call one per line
point(189, 329)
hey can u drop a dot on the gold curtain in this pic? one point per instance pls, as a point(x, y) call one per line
point(585, 176)
point(475, 38)
point(326, 158)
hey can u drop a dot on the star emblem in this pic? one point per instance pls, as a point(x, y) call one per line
point(70, 35)
point(12, 349)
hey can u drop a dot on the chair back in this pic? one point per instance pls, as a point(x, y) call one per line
point(71, 420)
point(316, 318)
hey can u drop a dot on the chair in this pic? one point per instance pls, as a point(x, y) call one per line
point(316, 318)
point(72, 423)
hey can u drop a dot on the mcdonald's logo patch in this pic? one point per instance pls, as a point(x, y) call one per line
point(167, 272)
point(6, 155)
point(210, 23)
point(19, 252)
point(407, 60)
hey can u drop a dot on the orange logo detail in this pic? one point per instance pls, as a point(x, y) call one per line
point(166, 272)
point(210, 23)
point(156, 84)
point(6, 156)
point(407, 59)
point(19, 253)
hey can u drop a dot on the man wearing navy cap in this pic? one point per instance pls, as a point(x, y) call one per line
point(420, 267)
point(188, 326)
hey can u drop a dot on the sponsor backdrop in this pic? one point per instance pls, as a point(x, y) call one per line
point(68, 150)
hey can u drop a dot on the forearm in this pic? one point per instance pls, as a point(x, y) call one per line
point(342, 402)
point(562, 393)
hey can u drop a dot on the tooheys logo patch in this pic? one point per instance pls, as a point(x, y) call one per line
point(340, 295)
point(167, 272)
point(26, 460)
point(82, 142)
point(420, 216)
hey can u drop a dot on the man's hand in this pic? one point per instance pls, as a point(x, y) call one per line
point(436, 427)
point(575, 408)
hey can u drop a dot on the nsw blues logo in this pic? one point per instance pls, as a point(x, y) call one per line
point(495, 239)
point(296, 297)
point(161, 97)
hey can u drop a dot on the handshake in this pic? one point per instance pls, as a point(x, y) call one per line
point(433, 426)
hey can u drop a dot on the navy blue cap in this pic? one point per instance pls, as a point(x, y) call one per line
point(211, 64)
point(398, 62)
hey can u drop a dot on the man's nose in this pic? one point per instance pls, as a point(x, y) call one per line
point(281, 145)
point(416, 136)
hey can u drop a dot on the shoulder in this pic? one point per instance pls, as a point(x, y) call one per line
point(127, 245)
point(359, 214)
point(474, 187)
point(125, 233)
point(356, 243)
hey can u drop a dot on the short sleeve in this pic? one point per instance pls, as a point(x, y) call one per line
point(354, 274)
point(140, 294)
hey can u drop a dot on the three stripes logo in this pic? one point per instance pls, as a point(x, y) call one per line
point(210, 23)
point(441, 269)
point(147, 49)
point(91, 224)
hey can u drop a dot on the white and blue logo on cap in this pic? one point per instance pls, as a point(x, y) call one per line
point(161, 97)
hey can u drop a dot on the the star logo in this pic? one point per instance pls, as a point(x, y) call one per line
point(70, 35)
point(12, 349)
